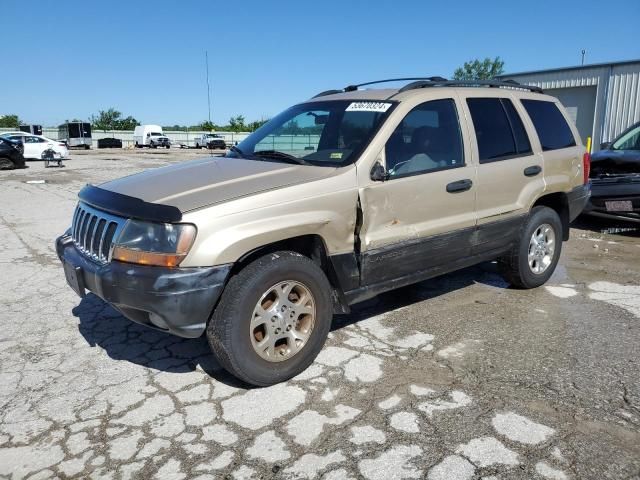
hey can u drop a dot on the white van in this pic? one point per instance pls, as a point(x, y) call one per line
point(150, 136)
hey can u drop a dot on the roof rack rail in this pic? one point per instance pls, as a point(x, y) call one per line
point(469, 83)
point(352, 88)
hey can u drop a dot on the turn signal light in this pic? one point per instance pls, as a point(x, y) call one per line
point(127, 255)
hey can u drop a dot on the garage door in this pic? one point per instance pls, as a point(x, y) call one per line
point(580, 103)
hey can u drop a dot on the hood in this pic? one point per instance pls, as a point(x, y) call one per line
point(199, 183)
point(613, 162)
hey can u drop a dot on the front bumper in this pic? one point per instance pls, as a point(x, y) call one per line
point(625, 197)
point(175, 300)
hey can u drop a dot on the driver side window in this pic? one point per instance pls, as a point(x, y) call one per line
point(428, 139)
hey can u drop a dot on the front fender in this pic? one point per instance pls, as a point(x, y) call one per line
point(227, 232)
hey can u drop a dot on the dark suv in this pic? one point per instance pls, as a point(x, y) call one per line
point(11, 154)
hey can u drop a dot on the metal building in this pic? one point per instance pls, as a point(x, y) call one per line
point(603, 98)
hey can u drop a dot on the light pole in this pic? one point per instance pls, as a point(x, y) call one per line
point(206, 59)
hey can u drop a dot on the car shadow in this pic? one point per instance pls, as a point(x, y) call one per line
point(103, 326)
point(613, 225)
point(485, 273)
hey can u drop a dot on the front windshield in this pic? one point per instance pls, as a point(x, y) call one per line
point(628, 141)
point(329, 133)
point(156, 134)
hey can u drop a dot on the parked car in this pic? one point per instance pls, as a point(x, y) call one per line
point(150, 136)
point(34, 145)
point(615, 176)
point(210, 141)
point(11, 154)
point(335, 200)
point(109, 143)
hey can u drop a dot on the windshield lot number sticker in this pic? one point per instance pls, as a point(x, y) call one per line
point(368, 107)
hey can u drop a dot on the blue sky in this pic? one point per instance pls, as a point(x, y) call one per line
point(67, 59)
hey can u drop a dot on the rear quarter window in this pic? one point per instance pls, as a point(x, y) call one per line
point(552, 128)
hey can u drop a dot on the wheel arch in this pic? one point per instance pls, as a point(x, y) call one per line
point(559, 202)
point(311, 246)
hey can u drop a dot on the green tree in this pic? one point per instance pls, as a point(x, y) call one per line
point(480, 69)
point(111, 120)
point(9, 121)
point(106, 119)
point(207, 126)
point(236, 124)
point(128, 123)
point(256, 124)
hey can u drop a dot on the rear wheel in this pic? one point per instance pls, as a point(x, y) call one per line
point(532, 261)
point(273, 319)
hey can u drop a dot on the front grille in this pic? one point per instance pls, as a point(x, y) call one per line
point(93, 232)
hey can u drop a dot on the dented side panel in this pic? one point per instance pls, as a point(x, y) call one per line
point(324, 207)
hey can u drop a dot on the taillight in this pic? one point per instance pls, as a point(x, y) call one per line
point(586, 166)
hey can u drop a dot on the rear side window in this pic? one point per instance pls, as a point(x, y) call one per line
point(499, 130)
point(519, 133)
point(553, 131)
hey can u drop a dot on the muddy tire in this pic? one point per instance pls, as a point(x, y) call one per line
point(272, 319)
point(532, 261)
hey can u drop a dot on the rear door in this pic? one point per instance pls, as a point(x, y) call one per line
point(423, 215)
point(32, 147)
point(559, 143)
point(510, 173)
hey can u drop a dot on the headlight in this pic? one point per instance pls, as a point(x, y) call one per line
point(160, 244)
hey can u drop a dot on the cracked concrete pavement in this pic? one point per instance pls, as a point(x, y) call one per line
point(455, 378)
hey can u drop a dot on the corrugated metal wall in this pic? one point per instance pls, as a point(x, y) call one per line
point(617, 98)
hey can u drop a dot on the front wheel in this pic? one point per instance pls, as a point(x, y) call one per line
point(273, 319)
point(532, 261)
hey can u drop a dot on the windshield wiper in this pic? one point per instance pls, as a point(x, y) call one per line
point(277, 155)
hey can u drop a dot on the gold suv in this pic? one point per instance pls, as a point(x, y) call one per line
point(335, 200)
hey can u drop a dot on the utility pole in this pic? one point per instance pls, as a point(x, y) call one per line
point(206, 59)
point(583, 52)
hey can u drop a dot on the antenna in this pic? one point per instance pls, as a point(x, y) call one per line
point(583, 52)
point(206, 59)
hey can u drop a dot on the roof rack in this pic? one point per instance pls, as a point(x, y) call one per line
point(469, 83)
point(353, 88)
point(423, 82)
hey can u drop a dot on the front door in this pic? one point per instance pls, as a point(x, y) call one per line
point(423, 216)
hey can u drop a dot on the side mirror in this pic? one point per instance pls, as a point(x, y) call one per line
point(378, 173)
point(605, 145)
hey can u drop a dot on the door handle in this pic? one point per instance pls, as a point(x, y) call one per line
point(459, 186)
point(532, 171)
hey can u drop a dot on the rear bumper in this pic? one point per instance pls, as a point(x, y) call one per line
point(578, 198)
point(175, 300)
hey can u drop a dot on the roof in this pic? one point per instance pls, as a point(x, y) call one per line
point(353, 92)
point(575, 67)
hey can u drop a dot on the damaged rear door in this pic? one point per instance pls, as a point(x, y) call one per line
point(423, 214)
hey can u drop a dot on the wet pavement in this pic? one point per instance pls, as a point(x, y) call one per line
point(459, 377)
